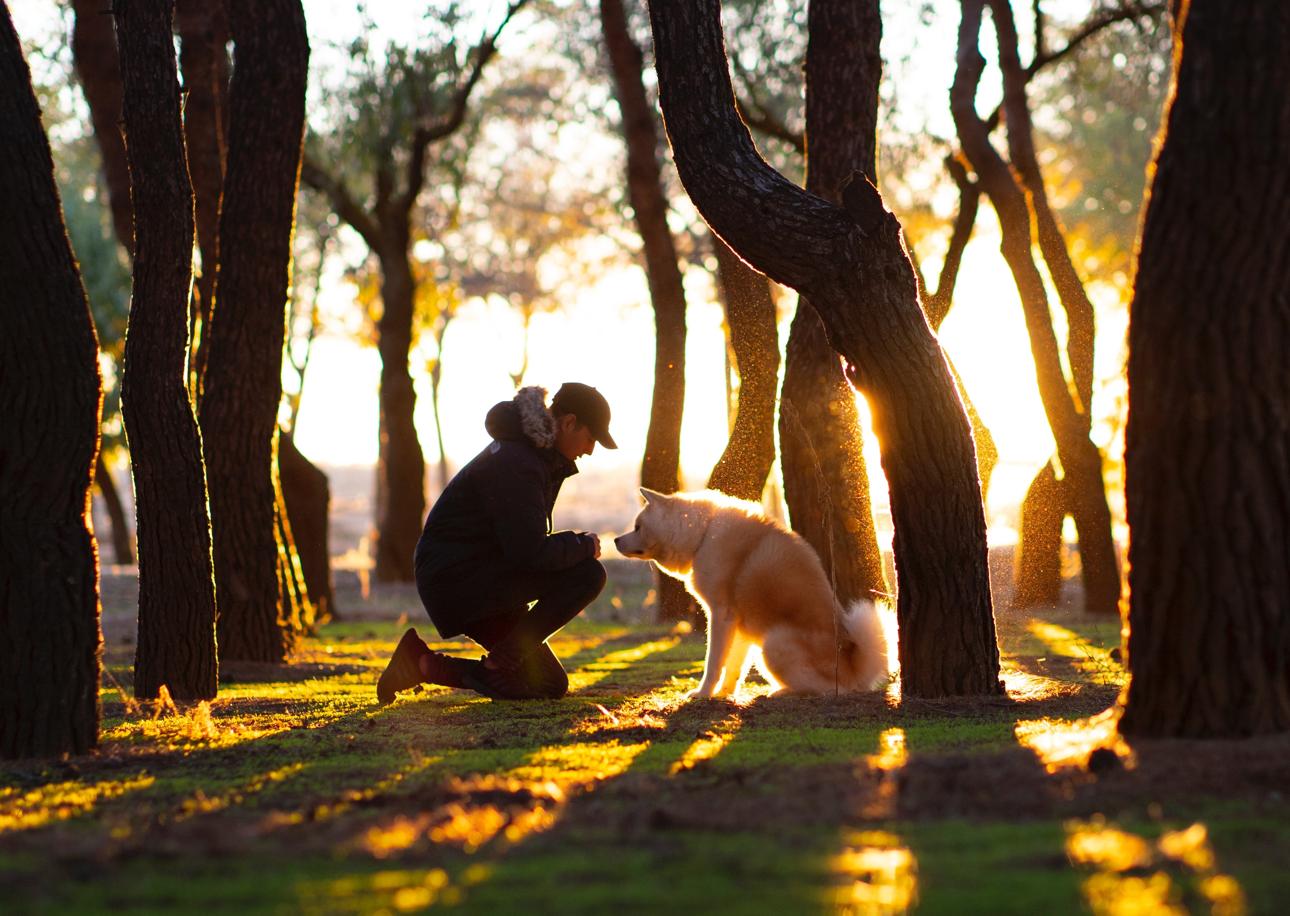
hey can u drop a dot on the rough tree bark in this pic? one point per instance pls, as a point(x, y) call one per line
point(1038, 561)
point(50, 393)
point(122, 542)
point(176, 645)
point(826, 482)
point(746, 461)
point(203, 37)
point(243, 382)
point(1080, 459)
point(95, 56)
point(1208, 442)
point(839, 257)
point(308, 500)
point(661, 468)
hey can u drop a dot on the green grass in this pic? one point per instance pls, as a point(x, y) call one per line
point(294, 792)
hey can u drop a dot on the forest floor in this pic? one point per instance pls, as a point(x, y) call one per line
point(295, 792)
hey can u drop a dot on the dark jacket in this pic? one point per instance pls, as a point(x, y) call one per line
point(495, 514)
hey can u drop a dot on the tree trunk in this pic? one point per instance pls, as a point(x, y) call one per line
point(1037, 577)
point(743, 467)
point(95, 54)
point(176, 645)
point(50, 399)
point(244, 375)
point(401, 465)
point(661, 469)
point(1080, 459)
point(826, 482)
point(122, 541)
point(203, 33)
point(1208, 442)
point(299, 613)
point(838, 257)
point(308, 498)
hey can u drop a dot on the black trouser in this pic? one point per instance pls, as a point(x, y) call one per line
point(494, 611)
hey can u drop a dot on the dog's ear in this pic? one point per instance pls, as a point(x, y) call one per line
point(652, 496)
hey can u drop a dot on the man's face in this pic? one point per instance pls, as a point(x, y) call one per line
point(573, 439)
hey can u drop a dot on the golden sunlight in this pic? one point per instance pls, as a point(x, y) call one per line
point(59, 801)
point(881, 875)
point(1113, 852)
point(1059, 743)
point(709, 744)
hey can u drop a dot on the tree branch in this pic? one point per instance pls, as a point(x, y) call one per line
point(315, 176)
point(456, 115)
point(766, 123)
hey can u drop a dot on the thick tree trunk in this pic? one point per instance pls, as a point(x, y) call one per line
point(50, 394)
point(826, 482)
point(176, 645)
point(203, 33)
point(308, 499)
point(94, 50)
point(839, 257)
point(122, 540)
point(401, 466)
point(1080, 459)
point(745, 463)
point(1208, 443)
point(243, 382)
point(661, 469)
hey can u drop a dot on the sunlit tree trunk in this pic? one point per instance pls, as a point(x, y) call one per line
point(122, 541)
point(50, 395)
point(308, 500)
point(1080, 459)
point(401, 463)
point(176, 644)
point(243, 383)
point(826, 482)
point(1207, 455)
point(754, 339)
point(203, 33)
point(850, 263)
point(661, 468)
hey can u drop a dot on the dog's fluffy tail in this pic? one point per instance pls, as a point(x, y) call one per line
point(863, 624)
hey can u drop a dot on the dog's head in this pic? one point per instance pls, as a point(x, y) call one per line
point(663, 531)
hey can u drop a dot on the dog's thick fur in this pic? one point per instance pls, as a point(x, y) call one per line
point(761, 587)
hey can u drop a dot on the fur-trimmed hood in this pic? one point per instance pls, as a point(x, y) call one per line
point(524, 416)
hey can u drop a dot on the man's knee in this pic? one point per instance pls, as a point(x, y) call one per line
point(590, 574)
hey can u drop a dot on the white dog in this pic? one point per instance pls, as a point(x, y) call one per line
point(761, 587)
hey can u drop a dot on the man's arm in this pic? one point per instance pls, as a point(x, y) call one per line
point(516, 509)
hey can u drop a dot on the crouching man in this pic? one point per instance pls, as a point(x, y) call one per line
point(488, 551)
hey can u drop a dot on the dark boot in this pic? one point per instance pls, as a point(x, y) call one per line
point(404, 670)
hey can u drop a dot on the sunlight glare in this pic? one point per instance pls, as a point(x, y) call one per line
point(1060, 743)
point(882, 875)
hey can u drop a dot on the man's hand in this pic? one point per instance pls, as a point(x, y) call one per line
point(595, 540)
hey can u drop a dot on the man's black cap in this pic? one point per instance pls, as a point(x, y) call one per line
point(589, 406)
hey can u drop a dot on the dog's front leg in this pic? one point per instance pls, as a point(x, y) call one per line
point(721, 634)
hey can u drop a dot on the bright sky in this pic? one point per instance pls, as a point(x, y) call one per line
point(605, 336)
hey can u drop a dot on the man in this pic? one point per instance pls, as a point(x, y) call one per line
point(487, 551)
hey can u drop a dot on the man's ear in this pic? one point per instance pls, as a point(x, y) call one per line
point(652, 496)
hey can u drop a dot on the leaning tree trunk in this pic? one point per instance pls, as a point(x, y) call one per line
point(661, 469)
point(203, 34)
point(50, 394)
point(122, 542)
point(308, 499)
point(826, 482)
point(243, 382)
point(1207, 454)
point(401, 466)
point(95, 54)
point(745, 463)
point(1080, 459)
point(1038, 562)
point(850, 263)
point(176, 645)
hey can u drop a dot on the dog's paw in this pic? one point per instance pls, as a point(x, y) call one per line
point(697, 693)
